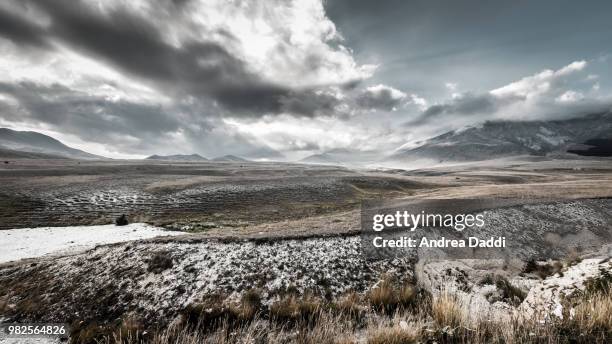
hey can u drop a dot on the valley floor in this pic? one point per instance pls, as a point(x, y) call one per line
point(272, 254)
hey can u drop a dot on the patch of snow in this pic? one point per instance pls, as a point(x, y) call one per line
point(552, 140)
point(16, 244)
point(546, 131)
point(467, 127)
point(444, 144)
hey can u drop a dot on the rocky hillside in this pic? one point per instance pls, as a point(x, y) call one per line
point(496, 139)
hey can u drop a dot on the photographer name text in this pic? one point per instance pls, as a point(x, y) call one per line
point(403, 242)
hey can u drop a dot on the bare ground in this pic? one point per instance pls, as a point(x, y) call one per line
point(199, 196)
point(234, 197)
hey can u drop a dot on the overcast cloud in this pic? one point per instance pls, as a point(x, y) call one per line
point(281, 79)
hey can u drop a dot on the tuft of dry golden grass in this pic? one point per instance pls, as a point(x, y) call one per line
point(351, 305)
point(446, 310)
point(293, 308)
point(388, 296)
point(392, 335)
point(4, 305)
point(383, 295)
point(401, 328)
point(593, 315)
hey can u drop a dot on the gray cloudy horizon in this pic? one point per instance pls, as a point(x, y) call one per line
point(282, 79)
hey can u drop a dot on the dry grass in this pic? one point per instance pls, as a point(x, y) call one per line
point(251, 304)
point(329, 330)
point(594, 314)
point(383, 296)
point(388, 296)
point(312, 320)
point(392, 335)
point(446, 310)
point(4, 304)
point(591, 324)
point(351, 305)
point(401, 328)
point(293, 309)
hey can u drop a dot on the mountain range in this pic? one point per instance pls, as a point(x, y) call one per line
point(343, 156)
point(196, 157)
point(495, 139)
point(589, 135)
point(178, 157)
point(229, 158)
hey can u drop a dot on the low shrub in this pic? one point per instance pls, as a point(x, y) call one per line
point(159, 262)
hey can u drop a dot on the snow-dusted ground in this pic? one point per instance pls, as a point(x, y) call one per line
point(546, 297)
point(16, 244)
point(158, 279)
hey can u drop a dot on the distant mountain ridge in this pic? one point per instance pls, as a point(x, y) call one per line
point(33, 142)
point(229, 158)
point(321, 159)
point(494, 139)
point(343, 156)
point(178, 157)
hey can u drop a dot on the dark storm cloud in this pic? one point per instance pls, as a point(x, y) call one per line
point(180, 3)
point(136, 46)
point(95, 118)
point(309, 102)
point(382, 98)
point(466, 104)
point(19, 31)
point(130, 126)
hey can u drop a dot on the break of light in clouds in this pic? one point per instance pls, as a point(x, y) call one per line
point(280, 79)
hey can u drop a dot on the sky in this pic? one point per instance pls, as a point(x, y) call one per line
point(283, 79)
